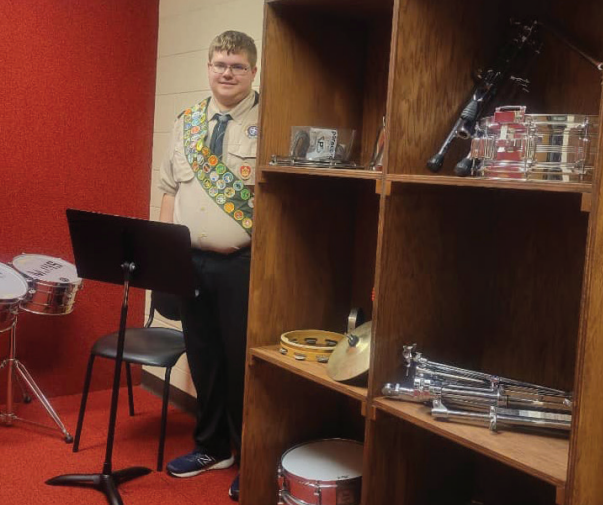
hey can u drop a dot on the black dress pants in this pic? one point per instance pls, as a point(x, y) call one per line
point(215, 332)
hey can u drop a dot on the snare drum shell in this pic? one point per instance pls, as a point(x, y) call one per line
point(547, 147)
point(51, 300)
point(300, 490)
point(48, 297)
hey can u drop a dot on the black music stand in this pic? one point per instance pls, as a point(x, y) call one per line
point(131, 252)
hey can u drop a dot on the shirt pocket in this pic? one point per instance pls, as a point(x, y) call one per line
point(242, 161)
point(181, 168)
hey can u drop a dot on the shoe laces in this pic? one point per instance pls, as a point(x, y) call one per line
point(204, 459)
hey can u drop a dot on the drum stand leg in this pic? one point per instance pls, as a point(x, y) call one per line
point(17, 370)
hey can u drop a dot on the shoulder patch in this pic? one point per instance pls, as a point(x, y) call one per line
point(252, 131)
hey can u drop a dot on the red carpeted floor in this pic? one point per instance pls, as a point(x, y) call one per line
point(30, 455)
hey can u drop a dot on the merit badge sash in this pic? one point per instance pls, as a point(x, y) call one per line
point(218, 181)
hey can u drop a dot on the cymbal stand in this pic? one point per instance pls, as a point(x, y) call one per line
point(17, 370)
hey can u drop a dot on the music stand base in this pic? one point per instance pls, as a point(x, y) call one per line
point(105, 483)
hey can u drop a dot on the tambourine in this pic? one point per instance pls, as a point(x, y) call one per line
point(309, 345)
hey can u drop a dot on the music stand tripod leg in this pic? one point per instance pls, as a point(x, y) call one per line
point(107, 481)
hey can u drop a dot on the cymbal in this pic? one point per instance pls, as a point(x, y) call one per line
point(351, 357)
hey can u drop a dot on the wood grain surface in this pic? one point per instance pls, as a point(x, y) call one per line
point(499, 276)
point(281, 411)
point(542, 456)
point(317, 255)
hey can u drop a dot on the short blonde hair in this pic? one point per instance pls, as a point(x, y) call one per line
point(233, 42)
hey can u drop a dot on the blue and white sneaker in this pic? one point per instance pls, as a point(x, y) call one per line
point(195, 463)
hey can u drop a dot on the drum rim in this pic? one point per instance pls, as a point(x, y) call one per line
point(51, 284)
point(38, 282)
point(550, 114)
point(11, 301)
point(312, 483)
point(577, 123)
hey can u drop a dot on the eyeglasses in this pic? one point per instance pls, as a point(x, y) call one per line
point(236, 69)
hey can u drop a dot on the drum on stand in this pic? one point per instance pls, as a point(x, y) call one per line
point(53, 282)
point(322, 472)
point(42, 285)
point(13, 290)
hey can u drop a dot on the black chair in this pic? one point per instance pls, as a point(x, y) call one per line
point(160, 347)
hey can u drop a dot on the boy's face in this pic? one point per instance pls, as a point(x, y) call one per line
point(234, 84)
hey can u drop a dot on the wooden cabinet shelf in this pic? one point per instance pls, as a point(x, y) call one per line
point(354, 8)
point(501, 276)
point(322, 172)
point(313, 371)
point(478, 182)
point(543, 457)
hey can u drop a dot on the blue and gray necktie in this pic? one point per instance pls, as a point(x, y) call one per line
point(216, 143)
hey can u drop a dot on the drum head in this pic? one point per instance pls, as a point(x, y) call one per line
point(46, 269)
point(12, 285)
point(325, 460)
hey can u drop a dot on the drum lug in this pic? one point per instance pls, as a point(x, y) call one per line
point(318, 494)
point(585, 151)
point(282, 483)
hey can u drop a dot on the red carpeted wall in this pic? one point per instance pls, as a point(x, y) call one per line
point(77, 86)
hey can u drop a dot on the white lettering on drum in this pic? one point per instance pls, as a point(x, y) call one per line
point(44, 269)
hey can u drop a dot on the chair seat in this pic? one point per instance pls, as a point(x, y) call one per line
point(144, 346)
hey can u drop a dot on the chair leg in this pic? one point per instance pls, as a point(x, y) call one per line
point(80, 420)
point(164, 409)
point(130, 395)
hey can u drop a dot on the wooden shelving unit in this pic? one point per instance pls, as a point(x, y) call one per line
point(313, 371)
point(323, 172)
point(478, 182)
point(543, 457)
point(500, 276)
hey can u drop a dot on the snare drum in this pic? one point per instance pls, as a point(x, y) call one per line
point(553, 147)
point(53, 281)
point(13, 289)
point(323, 472)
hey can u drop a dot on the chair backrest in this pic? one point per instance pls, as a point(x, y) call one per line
point(166, 304)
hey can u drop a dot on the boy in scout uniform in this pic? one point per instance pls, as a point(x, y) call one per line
point(207, 180)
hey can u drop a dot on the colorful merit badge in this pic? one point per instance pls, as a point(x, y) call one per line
point(245, 171)
point(225, 187)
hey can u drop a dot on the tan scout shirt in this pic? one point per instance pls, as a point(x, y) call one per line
point(211, 228)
